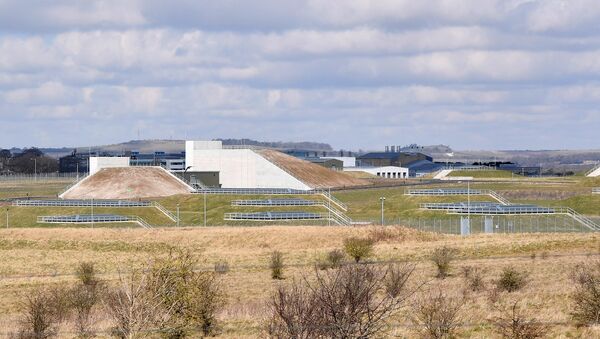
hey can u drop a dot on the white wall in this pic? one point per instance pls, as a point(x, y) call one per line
point(595, 173)
point(239, 168)
point(348, 161)
point(391, 172)
point(98, 163)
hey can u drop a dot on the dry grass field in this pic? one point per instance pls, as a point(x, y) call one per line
point(34, 257)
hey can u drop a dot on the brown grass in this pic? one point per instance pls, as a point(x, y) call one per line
point(248, 284)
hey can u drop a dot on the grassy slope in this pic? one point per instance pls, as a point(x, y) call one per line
point(248, 285)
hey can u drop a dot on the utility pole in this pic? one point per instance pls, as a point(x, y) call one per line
point(177, 215)
point(382, 199)
point(92, 212)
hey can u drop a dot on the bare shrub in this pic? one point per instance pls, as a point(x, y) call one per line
point(358, 248)
point(192, 297)
point(132, 307)
point(586, 298)
point(442, 257)
point(169, 296)
point(474, 278)
point(276, 265)
point(221, 267)
point(333, 259)
point(42, 313)
point(438, 315)
point(511, 280)
point(350, 302)
point(515, 324)
point(84, 298)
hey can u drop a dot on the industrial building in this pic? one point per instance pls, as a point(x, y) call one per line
point(388, 172)
point(417, 163)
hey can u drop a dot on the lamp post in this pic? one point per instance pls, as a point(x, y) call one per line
point(382, 199)
point(469, 201)
point(177, 215)
point(7, 217)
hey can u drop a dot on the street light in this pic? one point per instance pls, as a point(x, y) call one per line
point(177, 215)
point(382, 199)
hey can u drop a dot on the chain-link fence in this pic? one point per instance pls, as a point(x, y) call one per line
point(492, 224)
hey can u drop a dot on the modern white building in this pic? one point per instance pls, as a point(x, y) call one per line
point(347, 161)
point(98, 163)
point(235, 168)
point(389, 172)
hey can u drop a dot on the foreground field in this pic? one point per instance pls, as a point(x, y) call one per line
point(42, 257)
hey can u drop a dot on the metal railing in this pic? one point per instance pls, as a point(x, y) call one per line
point(165, 211)
point(40, 176)
point(596, 190)
point(276, 202)
point(457, 191)
point(80, 203)
point(275, 216)
point(89, 219)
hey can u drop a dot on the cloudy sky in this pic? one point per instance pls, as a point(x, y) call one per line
point(474, 74)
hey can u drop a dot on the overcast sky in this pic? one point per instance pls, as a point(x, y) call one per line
point(474, 74)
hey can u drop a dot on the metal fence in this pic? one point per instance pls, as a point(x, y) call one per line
point(81, 203)
point(275, 216)
point(41, 177)
point(497, 224)
point(596, 190)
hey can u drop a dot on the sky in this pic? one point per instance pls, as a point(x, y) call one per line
point(358, 74)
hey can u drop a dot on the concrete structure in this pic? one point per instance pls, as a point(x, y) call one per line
point(332, 164)
point(98, 163)
point(346, 161)
point(389, 172)
point(595, 172)
point(237, 168)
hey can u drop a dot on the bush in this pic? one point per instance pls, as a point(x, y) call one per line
point(473, 278)
point(438, 315)
point(42, 313)
point(191, 297)
point(511, 280)
point(358, 248)
point(442, 257)
point(334, 259)
point(345, 303)
point(513, 323)
point(169, 296)
point(586, 298)
point(276, 265)
point(221, 267)
point(84, 298)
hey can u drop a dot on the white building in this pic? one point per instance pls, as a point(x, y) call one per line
point(98, 163)
point(236, 168)
point(348, 161)
point(389, 172)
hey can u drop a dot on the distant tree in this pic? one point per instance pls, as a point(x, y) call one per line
point(5, 154)
point(33, 160)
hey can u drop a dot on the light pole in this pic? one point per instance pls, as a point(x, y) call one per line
point(382, 199)
point(7, 217)
point(177, 215)
point(204, 208)
point(469, 201)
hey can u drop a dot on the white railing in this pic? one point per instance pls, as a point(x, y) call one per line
point(91, 219)
point(279, 216)
point(39, 177)
point(165, 211)
point(594, 169)
point(80, 203)
point(457, 191)
point(596, 190)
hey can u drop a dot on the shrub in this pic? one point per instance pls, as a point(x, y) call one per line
point(513, 323)
point(438, 315)
point(169, 296)
point(343, 303)
point(358, 248)
point(276, 265)
point(42, 313)
point(586, 298)
point(191, 297)
point(221, 267)
point(333, 259)
point(511, 280)
point(442, 257)
point(473, 278)
point(84, 298)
